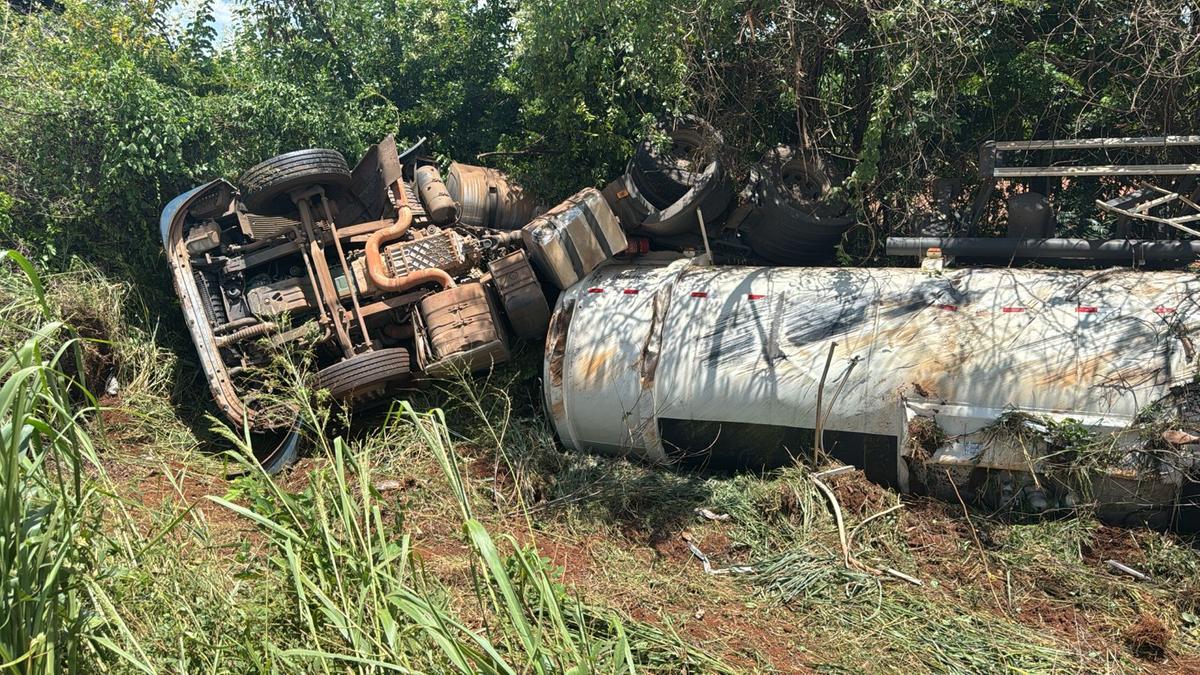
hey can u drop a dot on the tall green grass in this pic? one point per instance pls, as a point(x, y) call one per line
point(46, 514)
point(365, 601)
point(81, 590)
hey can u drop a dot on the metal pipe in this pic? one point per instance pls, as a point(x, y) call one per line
point(250, 332)
point(1101, 143)
point(235, 324)
point(349, 232)
point(242, 249)
point(1112, 250)
point(378, 271)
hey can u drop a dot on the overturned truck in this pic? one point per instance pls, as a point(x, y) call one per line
point(1023, 390)
point(375, 274)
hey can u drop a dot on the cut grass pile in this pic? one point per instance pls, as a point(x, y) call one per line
point(417, 540)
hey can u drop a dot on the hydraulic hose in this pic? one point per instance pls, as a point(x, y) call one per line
point(378, 271)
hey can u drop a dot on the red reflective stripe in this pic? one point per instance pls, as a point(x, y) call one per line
point(949, 308)
point(631, 291)
point(699, 294)
point(1164, 310)
point(755, 296)
point(595, 290)
point(1009, 310)
point(1085, 310)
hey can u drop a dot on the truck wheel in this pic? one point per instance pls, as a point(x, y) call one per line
point(797, 219)
point(799, 181)
point(664, 177)
point(709, 197)
point(629, 211)
point(277, 450)
point(365, 376)
point(265, 186)
point(781, 248)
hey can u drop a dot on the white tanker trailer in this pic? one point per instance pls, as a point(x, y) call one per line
point(1029, 390)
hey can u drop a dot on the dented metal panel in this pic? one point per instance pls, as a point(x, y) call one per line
point(521, 295)
point(748, 345)
point(574, 238)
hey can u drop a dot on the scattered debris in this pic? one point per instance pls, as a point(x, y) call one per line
point(800, 576)
point(710, 515)
point(837, 515)
point(925, 436)
point(904, 577)
point(864, 521)
point(1179, 437)
point(857, 494)
point(708, 568)
point(834, 471)
point(1149, 636)
point(1126, 569)
point(387, 485)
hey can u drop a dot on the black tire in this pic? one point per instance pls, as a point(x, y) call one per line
point(933, 224)
point(798, 220)
point(365, 376)
point(801, 180)
point(775, 246)
point(664, 177)
point(710, 197)
point(265, 186)
point(789, 243)
point(278, 450)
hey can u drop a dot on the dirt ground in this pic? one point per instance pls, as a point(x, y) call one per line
point(654, 577)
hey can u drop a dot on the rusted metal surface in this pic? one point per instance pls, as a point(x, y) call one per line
point(193, 303)
point(461, 331)
point(574, 238)
point(203, 238)
point(322, 278)
point(444, 249)
point(266, 228)
point(379, 273)
point(487, 198)
point(992, 154)
point(521, 295)
point(366, 198)
point(341, 260)
point(272, 298)
point(746, 346)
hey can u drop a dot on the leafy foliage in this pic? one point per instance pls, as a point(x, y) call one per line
point(110, 109)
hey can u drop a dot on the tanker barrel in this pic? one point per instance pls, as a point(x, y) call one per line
point(725, 367)
point(1114, 250)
